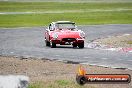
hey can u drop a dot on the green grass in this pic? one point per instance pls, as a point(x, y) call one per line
point(57, 6)
point(58, 84)
point(80, 18)
point(129, 42)
point(77, 12)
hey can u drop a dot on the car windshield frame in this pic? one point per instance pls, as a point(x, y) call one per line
point(65, 25)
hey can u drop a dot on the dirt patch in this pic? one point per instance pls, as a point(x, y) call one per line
point(117, 41)
point(47, 71)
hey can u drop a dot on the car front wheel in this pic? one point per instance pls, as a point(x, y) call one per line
point(52, 45)
point(47, 43)
point(74, 45)
point(81, 45)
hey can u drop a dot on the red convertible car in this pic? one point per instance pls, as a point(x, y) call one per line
point(64, 33)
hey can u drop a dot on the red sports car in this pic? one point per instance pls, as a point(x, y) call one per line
point(64, 33)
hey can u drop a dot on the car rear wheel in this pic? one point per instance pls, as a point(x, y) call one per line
point(81, 45)
point(52, 45)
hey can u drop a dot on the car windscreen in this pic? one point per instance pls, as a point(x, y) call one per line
point(66, 26)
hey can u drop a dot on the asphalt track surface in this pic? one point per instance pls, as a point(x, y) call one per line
point(29, 42)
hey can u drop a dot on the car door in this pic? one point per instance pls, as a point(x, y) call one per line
point(50, 28)
point(47, 33)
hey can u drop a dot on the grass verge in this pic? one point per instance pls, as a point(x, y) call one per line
point(57, 84)
point(81, 13)
point(124, 17)
point(60, 6)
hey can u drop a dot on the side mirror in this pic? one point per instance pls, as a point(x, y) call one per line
point(75, 26)
point(47, 29)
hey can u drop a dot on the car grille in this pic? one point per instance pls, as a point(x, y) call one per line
point(68, 39)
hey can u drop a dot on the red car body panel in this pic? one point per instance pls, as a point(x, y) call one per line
point(65, 34)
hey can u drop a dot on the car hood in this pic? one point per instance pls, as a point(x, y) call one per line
point(66, 34)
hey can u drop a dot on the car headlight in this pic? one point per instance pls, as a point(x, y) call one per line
point(55, 36)
point(82, 34)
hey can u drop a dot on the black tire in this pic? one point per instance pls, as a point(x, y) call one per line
point(47, 43)
point(74, 45)
point(81, 45)
point(81, 80)
point(52, 45)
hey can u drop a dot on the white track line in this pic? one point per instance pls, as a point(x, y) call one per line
point(66, 11)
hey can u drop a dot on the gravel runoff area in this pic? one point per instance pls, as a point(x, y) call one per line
point(117, 41)
point(49, 71)
point(120, 43)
